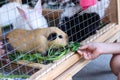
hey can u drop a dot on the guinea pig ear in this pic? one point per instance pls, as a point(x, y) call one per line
point(38, 7)
point(52, 36)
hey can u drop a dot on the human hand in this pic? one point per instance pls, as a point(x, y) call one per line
point(91, 50)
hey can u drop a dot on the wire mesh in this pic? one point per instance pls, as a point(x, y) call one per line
point(27, 32)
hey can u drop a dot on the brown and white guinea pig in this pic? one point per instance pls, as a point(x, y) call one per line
point(38, 40)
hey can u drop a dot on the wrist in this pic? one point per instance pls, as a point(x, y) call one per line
point(103, 48)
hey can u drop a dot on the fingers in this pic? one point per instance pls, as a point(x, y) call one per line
point(85, 54)
point(88, 56)
point(83, 47)
point(80, 52)
point(83, 51)
point(88, 51)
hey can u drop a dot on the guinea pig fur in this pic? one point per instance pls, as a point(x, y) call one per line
point(79, 27)
point(38, 40)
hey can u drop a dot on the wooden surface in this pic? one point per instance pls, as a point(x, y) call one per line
point(108, 34)
point(66, 69)
point(52, 16)
point(31, 64)
point(51, 13)
point(16, 67)
point(111, 11)
point(0, 33)
point(66, 64)
point(19, 1)
point(60, 69)
point(115, 37)
point(67, 75)
point(57, 70)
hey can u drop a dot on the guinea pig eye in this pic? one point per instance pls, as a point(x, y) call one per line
point(60, 36)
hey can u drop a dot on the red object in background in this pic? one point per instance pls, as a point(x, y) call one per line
point(87, 3)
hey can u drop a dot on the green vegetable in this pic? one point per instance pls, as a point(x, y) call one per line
point(53, 54)
point(74, 46)
point(58, 57)
point(13, 76)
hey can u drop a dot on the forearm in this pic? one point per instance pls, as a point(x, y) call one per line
point(111, 48)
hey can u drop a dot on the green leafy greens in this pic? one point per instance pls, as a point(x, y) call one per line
point(13, 76)
point(52, 55)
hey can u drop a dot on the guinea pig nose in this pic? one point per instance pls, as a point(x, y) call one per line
point(60, 36)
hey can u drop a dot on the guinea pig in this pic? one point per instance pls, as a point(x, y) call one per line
point(79, 27)
point(38, 40)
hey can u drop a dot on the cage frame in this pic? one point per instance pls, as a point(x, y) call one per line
point(73, 64)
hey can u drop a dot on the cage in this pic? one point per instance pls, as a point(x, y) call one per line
point(32, 28)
